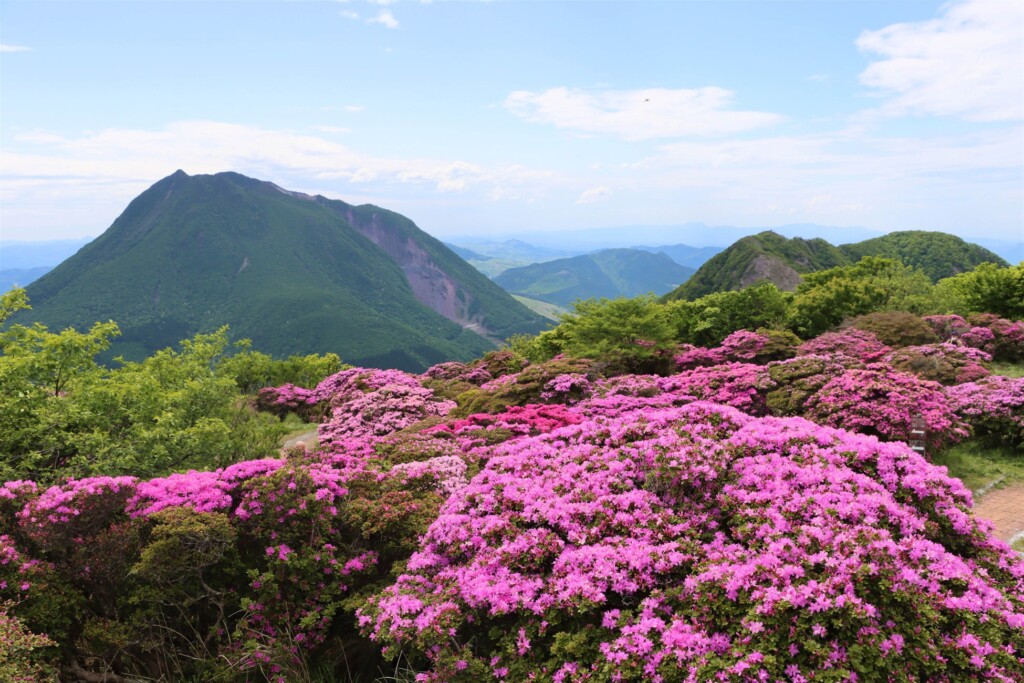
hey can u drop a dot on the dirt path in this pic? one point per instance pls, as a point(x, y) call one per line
point(308, 439)
point(1005, 508)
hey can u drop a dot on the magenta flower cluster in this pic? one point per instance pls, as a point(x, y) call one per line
point(699, 543)
point(851, 343)
point(880, 401)
point(993, 406)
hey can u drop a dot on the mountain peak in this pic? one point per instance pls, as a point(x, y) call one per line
point(295, 273)
point(781, 260)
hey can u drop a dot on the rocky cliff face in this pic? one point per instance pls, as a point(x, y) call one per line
point(770, 268)
point(430, 284)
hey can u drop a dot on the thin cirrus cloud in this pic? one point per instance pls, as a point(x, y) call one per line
point(964, 63)
point(14, 48)
point(132, 159)
point(384, 18)
point(641, 114)
point(593, 194)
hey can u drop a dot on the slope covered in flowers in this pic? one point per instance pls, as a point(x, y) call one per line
point(752, 516)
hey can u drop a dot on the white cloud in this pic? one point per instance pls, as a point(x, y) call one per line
point(349, 14)
point(334, 130)
point(110, 167)
point(386, 18)
point(642, 114)
point(967, 62)
point(14, 48)
point(593, 194)
point(971, 181)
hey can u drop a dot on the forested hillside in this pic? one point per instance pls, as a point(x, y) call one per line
point(608, 273)
point(770, 257)
point(296, 274)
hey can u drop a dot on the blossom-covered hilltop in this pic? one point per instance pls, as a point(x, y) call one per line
point(752, 514)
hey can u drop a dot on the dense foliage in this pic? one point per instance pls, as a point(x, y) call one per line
point(64, 414)
point(768, 255)
point(736, 267)
point(938, 255)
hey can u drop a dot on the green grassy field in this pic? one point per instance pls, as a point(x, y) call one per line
point(980, 465)
point(542, 307)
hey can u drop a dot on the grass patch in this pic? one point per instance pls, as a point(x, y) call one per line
point(295, 426)
point(979, 465)
point(550, 311)
point(1007, 369)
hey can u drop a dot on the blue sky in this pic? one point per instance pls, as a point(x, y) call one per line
point(501, 117)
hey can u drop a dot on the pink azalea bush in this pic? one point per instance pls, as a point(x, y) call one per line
point(946, 363)
point(1002, 338)
point(688, 357)
point(947, 327)
point(699, 543)
point(733, 384)
point(286, 398)
point(552, 524)
point(881, 401)
point(374, 403)
point(993, 406)
point(857, 345)
point(758, 347)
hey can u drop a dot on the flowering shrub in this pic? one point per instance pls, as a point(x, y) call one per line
point(993, 407)
point(528, 386)
point(880, 401)
point(550, 524)
point(789, 383)
point(733, 384)
point(759, 347)
point(698, 543)
point(19, 663)
point(286, 398)
point(947, 327)
point(896, 328)
point(688, 356)
point(944, 363)
point(851, 343)
point(380, 412)
point(978, 338)
point(743, 345)
point(1007, 342)
point(568, 389)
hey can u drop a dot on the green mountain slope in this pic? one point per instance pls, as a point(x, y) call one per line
point(610, 273)
point(296, 274)
point(764, 256)
point(769, 256)
point(938, 254)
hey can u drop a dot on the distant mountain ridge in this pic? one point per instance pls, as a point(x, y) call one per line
point(21, 277)
point(768, 256)
point(293, 272)
point(17, 254)
point(610, 273)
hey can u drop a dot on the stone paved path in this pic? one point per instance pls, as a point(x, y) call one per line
point(1005, 508)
